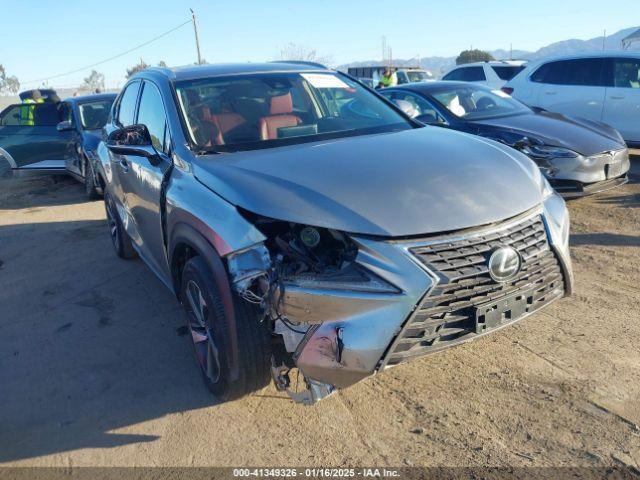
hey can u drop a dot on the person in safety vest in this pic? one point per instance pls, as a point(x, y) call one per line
point(388, 79)
point(27, 112)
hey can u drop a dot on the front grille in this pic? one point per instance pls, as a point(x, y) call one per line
point(446, 315)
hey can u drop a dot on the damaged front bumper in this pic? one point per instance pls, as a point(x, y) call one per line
point(581, 176)
point(424, 298)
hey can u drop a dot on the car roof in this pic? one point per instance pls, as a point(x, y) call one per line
point(193, 72)
point(91, 98)
point(504, 63)
point(594, 54)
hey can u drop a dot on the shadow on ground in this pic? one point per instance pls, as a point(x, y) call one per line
point(605, 239)
point(33, 189)
point(90, 345)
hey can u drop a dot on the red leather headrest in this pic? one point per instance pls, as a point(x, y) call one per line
point(281, 104)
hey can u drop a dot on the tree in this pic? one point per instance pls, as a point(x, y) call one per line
point(143, 66)
point(137, 68)
point(8, 84)
point(470, 56)
point(293, 51)
point(95, 81)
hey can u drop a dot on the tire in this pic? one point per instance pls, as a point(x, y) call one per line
point(210, 335)
point(119, 237)
point(89, 181)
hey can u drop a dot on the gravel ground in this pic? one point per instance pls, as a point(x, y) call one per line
point(94, 370)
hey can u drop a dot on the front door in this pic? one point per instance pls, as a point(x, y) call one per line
point(622, 103)
point(30, 140)
point(142, 182)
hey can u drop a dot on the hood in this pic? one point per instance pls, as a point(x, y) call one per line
point(414, 182)
point(577, 134)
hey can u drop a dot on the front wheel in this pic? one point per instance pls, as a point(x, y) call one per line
point(89, 181)
point(211, 334)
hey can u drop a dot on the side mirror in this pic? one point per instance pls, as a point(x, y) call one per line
point(64, 126)
point(406, 107)
point(132, 140)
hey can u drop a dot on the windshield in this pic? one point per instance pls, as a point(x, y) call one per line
point(93, 115)
point(477, 103)
point(419, 76)
point(261, 110)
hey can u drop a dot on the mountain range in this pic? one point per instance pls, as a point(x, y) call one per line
point(439, 65)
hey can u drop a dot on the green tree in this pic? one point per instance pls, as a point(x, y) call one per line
point(8, 84)
point(470, 56)
point(95, 81)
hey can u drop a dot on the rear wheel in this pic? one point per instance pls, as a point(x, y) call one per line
point(89, 181)
point(211, 335)
point(119, 237)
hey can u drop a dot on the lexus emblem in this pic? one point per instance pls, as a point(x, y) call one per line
point(504, 264)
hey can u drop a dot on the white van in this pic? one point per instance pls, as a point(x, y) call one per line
point(603, 86)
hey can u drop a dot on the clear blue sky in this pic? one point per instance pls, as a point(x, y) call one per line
point(39, 38)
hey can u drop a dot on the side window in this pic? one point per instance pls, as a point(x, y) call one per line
point(584, 71)
point(151, 113)
point(454, 74)
point(473, 74)
point(127, 106)
point(626, 73)
point(552, 72)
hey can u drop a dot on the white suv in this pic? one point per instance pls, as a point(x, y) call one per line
point(602, 86)
point(492, 74)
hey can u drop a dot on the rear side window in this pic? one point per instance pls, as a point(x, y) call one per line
point(127, 105)
point(583, 72)
point(466, 74)
point(626, 73)
point(507, 72)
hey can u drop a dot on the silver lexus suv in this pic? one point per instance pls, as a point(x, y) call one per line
point(308, 226)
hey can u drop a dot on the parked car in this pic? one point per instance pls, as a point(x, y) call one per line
point(578, 156)
point(492, 74)
point(603, 86)
point(62, 137)
point(371, 75)
point(305, 223)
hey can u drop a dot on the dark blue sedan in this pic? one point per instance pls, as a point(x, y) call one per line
point(578, 156)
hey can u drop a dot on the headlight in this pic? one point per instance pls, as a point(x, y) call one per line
point(316, 258)
point(546, 152)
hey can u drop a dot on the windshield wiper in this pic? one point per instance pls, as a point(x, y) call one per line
point(205, 150)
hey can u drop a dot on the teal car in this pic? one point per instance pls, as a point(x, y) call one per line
point(56, 137)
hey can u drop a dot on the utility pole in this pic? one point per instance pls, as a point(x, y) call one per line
point(195, 31)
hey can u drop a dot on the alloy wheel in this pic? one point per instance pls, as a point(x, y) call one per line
point(206, 350)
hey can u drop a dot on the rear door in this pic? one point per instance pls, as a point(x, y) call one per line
point(574, 87)
point(622, 104)
point(32, 142)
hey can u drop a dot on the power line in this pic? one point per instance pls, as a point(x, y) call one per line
point(46, 79)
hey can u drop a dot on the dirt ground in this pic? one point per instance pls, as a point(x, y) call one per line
point(94, 370)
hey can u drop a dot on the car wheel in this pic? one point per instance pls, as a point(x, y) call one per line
point(119, 237)
point(211, 335)
point(89, 181)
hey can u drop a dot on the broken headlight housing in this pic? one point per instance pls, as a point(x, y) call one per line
point(548, 152)
point(316, 258)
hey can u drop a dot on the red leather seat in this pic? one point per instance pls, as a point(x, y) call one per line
point(225, 122)
point(280, 115)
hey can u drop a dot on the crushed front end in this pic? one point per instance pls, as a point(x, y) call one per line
point(343, 307)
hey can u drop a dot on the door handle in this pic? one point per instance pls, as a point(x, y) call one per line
point(616, 97)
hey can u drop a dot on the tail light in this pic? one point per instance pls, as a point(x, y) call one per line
point(507, 90)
